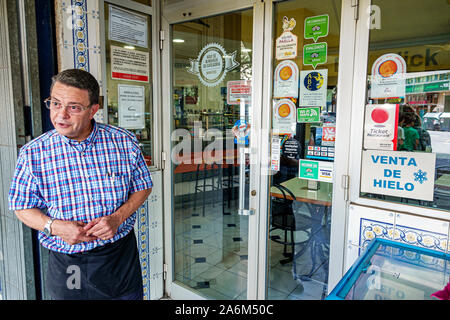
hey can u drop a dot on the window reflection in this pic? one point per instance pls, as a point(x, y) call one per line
point(419, 36)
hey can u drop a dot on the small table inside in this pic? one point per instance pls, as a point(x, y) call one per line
point(318, 203)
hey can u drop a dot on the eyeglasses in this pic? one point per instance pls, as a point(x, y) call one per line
point(71, 108)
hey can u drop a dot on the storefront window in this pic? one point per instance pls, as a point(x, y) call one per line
point(128, 72)
point(305, 71)
point(406, 151)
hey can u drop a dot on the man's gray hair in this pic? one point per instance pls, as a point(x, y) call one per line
point(79, 79)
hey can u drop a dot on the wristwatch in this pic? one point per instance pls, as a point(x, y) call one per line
point(47, 227)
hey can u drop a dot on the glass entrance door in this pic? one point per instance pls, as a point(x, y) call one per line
point(212, 111)
point(304, 110)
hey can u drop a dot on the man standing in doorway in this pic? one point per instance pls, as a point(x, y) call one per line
point(80, 186)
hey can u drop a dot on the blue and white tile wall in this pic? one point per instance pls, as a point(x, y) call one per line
point(78, 37)
point(367, 223)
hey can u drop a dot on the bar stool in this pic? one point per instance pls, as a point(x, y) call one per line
point(212, 172)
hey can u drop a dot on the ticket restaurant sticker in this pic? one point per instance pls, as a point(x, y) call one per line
point(399, 173)
point(388, 78)
point(286, 43)
point(315, 54)
point(313, 88)
point(381, 126)
point(283, 119)
point(286, 80)
point(316, 27)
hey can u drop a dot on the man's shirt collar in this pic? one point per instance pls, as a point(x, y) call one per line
point(86, 143)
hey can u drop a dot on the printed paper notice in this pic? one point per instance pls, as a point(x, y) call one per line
point(127, 64)
point(128, 27)
point(131, 106)
point(239, 91)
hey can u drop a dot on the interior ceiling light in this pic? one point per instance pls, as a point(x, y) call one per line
point(178, 40)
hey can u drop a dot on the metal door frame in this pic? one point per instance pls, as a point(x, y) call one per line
point(181, 13)
point(262, 95)
point(340, 203)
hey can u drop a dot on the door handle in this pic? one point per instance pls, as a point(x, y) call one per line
point(242, 155)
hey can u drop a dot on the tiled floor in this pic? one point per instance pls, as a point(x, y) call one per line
point(211, 256)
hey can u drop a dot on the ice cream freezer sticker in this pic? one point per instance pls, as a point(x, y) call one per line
point(400, 174)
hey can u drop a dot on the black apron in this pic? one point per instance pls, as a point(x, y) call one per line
point(108, 272)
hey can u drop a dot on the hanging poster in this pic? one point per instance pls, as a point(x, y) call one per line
point(316, 27)
point(313, 88)
point(286, 43)
point(286, 80)
point(128, 27)
point(388, 78)
point(308, 115)
point(283, 119)
point(316, 170)
point(131, 106)
point(239, 91)
point(381, 126)
point(328, 134)
point(399, 173)
point(128, 64)
point(212, 64)
point(315, 54)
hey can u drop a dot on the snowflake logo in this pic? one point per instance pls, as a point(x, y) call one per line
point(420, 176)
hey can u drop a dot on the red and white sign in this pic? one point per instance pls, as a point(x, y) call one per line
point(328, 134)
point(381, 126)
point(239, 91)
point(128, 64)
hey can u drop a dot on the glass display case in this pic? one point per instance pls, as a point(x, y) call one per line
point(389, 270)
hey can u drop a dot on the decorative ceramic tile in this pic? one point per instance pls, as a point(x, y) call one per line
point(422, 232)
point(364, 225)
point(142, 235)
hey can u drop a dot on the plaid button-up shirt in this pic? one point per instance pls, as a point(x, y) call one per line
point(79, 181)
